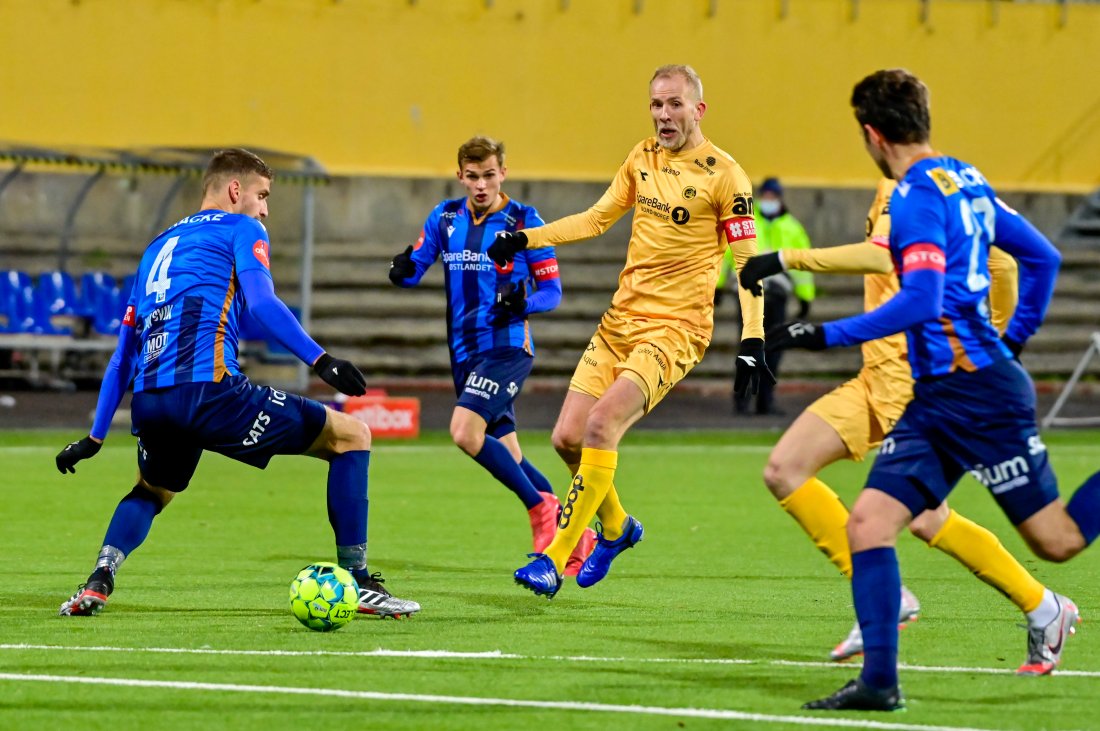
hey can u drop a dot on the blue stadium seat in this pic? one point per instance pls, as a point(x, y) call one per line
point(18, 305)
point(55, 296)
point(108, 315)
point(93, 286)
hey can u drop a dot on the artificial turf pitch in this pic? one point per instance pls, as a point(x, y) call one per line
point(725, 607)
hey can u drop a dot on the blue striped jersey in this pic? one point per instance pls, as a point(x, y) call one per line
point(186, 303)
point(944, 216)
point(454, 234)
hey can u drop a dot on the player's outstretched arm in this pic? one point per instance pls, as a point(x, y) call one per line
point(1038, 262)
point(341, 375)
point(402, 267)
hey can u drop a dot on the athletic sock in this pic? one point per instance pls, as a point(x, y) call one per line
point(590, 486)
point(1045, 612)
point(129, 527)
point(823, 516)
point(538, 480)
point(980, 551)
point(612, 516)
point(1084, 508)
point(876, 591)
point(496, 458)
point(347, 507)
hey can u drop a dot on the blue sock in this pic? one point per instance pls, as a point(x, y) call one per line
point(496, 458)
point(347, 506)
point(1084, 508)
point(876, 590)
point(133, 517)
point(537, 478)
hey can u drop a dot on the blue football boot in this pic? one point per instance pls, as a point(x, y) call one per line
point(599, 562)
point(540, 576)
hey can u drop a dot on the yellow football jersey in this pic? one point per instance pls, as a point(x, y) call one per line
point(880, 283)
point(688, 206)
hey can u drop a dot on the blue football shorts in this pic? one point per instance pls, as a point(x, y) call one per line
point(981, 422)
point(488, 384)
point(243, 421)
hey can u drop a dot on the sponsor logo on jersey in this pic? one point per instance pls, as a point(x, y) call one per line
point(259, 426)
point(512, 389)
point(161, 314)
point(547, 269)
point(654, 206)
point(260, 251)
point(670, 171)
point(420, 241)
point(680, 215)
point(130, 317)
point(655, 354)
point(154, 346)
point(742, 205)
point(467, 260)
point(690, 192)
point(739, 229)
point(643, 173)
point(203, 218)
point(708, 166)
point(923, 256)
point(943, 181)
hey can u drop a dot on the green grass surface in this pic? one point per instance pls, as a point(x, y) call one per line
point(723, 574)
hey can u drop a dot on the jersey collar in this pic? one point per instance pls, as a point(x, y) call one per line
point(478, 220)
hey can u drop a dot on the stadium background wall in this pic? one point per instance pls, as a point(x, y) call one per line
point(389, 87)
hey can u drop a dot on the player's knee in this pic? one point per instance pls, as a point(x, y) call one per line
point(1058, 549)
point(926, 525)
point(469, 441)
point(567, 445)
point(143, 490)
point(780, 479)
point(349, 434)
point(601, 431)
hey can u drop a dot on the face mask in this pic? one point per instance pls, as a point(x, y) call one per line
point(769, 207)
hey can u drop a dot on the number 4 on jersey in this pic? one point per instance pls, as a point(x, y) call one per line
point(159, 281)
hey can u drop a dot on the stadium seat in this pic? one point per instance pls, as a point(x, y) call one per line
point(55, 297)
point(18, 303)
point(93, 286)
point(108, 315)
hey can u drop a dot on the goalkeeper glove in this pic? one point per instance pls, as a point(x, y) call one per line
point(757, 268)
point(797, 334)
point(803, 309)
point(341, 375)
point(750, 367)
point(402, 267)
point(512, 297)
point(506, 246)
point(67, 458)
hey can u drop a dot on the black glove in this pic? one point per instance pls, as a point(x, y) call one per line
point(756, 269)
point(750, 368)
point(402, 267)
point(803, 309)
point(341, 375)
point(719, 295)
point(504, 248)
point(67, 458)
point(512, 297)
point(1012, 345)
point(797, 334)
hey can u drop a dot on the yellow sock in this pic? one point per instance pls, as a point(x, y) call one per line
point(980, 551)
point(824, 518)
point(590, 486)
point(611, 513)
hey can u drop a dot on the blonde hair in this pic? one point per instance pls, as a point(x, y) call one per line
point(681, 69)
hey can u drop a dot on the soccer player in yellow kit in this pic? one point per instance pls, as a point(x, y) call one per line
point(856, 417)
point(691, 200)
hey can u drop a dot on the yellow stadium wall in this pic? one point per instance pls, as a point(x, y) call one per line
point(391, 87)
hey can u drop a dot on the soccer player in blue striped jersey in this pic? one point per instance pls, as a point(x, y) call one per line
point(177, 350)
point(973, 407)
point(488, 334)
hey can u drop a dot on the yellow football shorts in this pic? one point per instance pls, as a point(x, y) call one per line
point(652, 354)
point(865, 409)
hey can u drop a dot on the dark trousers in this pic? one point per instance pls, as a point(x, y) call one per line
point(775, 313)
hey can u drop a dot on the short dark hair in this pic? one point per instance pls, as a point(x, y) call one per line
point(480, 149)
point(234, 162)
point(895, 102)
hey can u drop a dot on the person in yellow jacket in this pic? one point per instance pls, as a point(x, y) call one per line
point(776, 230)
point(851, 420)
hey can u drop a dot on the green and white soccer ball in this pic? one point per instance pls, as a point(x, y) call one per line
point(324, 597)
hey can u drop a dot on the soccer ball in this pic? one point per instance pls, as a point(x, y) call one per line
point(324, 597)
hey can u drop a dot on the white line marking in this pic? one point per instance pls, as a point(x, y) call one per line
point(498, 655)
point(716, 713)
